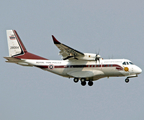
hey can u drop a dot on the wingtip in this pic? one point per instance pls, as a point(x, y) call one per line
point(55, 40)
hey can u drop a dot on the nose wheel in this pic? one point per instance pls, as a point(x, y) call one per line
point(126, 80)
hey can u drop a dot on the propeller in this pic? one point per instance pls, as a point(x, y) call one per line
point(97, 58)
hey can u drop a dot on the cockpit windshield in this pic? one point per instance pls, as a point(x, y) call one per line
point(127, 63)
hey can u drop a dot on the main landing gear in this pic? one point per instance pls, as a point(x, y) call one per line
point(90, 83)
point(127, 80)
point(76, 80)
point(83, 81)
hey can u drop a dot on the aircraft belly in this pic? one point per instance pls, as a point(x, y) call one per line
point(112, 72)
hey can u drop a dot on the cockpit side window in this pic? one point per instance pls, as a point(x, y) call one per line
point(124, 63)
point(131, 63)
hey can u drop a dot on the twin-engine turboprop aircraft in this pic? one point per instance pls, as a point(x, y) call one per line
point(80, 66)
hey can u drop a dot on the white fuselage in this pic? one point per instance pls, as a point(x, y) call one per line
point(104, 68)
point(75, 64)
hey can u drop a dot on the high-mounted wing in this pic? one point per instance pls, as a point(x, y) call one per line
point(66, 51)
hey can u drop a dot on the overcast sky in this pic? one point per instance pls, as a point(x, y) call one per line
point(116, 28)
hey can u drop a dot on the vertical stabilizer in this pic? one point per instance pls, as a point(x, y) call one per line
point(17, 49)
point(15, 45)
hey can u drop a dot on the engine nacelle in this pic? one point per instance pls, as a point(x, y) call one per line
point(89, 56)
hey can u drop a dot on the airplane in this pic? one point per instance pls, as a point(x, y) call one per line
point(80, 66)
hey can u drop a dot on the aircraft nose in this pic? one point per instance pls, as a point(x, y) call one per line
point(138, 70)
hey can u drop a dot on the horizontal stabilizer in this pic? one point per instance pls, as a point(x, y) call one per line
point(12, 59)
point(17, 61)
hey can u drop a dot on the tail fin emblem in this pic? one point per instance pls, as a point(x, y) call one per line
point(12, 37)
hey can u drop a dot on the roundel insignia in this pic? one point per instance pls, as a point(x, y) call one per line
point(126, 69)
point(51, 67)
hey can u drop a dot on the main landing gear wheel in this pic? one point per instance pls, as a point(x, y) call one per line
point(76, 80)
point(83, 81)
point(90, 83)
point(126, 80)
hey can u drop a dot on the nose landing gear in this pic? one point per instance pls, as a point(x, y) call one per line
point(127, 80)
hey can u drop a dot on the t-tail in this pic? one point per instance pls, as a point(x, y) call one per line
point(16, 48)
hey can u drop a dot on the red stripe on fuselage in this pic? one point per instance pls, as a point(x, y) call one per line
point(118, 67)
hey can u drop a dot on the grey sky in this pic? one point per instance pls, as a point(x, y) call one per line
point(114, 27)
